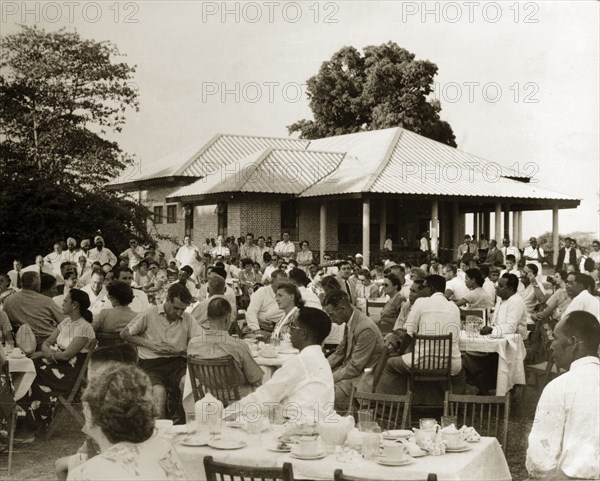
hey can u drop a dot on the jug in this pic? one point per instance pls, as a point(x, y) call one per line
point(209, 414)
point(334, 429)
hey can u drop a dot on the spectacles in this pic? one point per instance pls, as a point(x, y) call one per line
point(386, 284)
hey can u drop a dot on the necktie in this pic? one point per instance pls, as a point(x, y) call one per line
point(19, 284)
point(348, 291)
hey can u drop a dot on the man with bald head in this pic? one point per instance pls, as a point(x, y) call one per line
point(565, 436)
point(263, 311)
point(216, 289)
point(30, 307)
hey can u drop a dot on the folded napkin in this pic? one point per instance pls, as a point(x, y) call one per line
point(469, 434)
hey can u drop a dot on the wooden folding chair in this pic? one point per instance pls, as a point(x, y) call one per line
point(433, 363)
point(484, 413)
point(338, 475)
point(380, 366)
point(373, 310)
point(66, 406)
point(8, 410)
point(228, 472)
point(217, 376)
point(390, 411)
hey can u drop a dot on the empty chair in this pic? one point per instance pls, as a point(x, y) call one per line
point(489, 415)
point(390, 411)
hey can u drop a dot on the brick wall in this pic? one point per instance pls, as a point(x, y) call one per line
point(261, 216)
point(309, 224)
point(205, 223)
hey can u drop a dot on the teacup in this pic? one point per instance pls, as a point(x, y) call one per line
point(16, 352)
point(307, 446)
point(453, 440)
point(396, 452)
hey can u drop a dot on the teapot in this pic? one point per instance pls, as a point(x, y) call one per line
point(334, 429)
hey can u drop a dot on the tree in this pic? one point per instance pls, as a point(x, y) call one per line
point(385, 87)
point(60, 95)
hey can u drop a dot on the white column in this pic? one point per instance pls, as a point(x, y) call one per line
point(555, 234)
point(507, 223)
point(455, 228)
point(366, 230)
point(323, 229)
point(498, 219)
point(383, 223)
point(515, 226)
point(520, 227)
point(434, 234)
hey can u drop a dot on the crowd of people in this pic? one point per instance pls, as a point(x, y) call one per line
point(206, 300)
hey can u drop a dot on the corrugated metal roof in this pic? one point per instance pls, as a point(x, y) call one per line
point(227, 149)
point(271, 171)
point(417, 165)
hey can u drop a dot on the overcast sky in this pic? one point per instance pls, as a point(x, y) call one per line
point(518, 82)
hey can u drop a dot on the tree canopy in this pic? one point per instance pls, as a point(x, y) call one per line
point(60, 97)
point(385, 87)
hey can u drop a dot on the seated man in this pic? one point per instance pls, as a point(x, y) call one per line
point(433, 316)
point(216, 289)
point(456, 289)
point(97, 292)
point(395, 337)
point(303, 386)
point(214, 341)
point(533, 294)
point(579, 287)
point(494, 255)
point(359, 349)
point(510, 317)
point(30, 307)
point(565, 436)
point(162, 334)
point(263, 311)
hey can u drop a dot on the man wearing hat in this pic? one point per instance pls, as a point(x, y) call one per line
point(101, 254)
point(72, 253)
point(358, 260)
point(85, 247)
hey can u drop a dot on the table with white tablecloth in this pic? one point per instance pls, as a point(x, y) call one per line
point(22, 373)
point(511, 354)
point(484, 462)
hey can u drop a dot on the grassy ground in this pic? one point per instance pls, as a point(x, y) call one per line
point(35, 461)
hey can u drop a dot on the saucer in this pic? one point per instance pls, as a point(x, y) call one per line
point(397, 434)
point(389, 462)
point(279, 448)
point(195, 440)
point(289, 350)
point(460, 449)
point(309, 456)
point(226, 444)
point(420, 454)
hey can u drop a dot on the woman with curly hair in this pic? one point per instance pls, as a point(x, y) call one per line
point(120, 417)
point(289, 300)
point(58, 363)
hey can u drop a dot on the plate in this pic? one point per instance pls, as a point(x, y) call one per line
point(308, 456)
point(389, 462)
point(289, 350)
point(195, 440)
point(461, 449)
point(397, 434)
point(226, 444)
point(420, 454)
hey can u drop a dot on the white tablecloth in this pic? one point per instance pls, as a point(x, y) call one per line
point(484, 462)
point(22, 373)
point(511, 353)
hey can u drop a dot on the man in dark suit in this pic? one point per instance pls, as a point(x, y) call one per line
point(494, 255)
point(360, 347)
point(567, 255)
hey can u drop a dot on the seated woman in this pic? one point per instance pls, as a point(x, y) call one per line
point(390, 312)
point(120, 418)
point(289, 300)
point(110, 322)
point(60, 360)
point(248, 278)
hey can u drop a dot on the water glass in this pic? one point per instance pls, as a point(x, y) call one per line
point(365, 416)
point(9, 346)
point(371, 440)
point(449, 420)
point(190, 422)
point(427, 423)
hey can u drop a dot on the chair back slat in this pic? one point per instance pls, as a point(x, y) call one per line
point(217, 376)
point(489, 415)
point(389, 411)
point(228, 472)
point(431, 359)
